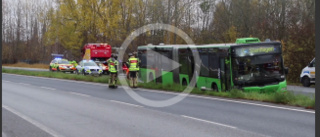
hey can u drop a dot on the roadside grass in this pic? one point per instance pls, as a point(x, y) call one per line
point(26, 65)
point(286, 98)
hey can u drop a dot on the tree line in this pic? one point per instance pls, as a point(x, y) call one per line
point(33, 29)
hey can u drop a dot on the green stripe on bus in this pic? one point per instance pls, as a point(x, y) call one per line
point(167, 77)
point(268, 89)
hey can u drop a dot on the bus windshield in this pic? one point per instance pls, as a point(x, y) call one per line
point(258, 70)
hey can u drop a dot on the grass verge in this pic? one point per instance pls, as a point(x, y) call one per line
point(287, 98)
point(25, 65)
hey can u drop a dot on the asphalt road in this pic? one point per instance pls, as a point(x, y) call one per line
point(70, 108)
point(309, 91)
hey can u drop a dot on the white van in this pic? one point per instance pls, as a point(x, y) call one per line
point(308, 74)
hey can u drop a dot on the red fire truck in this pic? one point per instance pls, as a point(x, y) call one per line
point(98, 52)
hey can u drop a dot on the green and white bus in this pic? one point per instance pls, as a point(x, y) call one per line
point(248, 64)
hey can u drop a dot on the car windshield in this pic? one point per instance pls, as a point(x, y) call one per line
point(89, 64)
point(258, 70)
point(63, 62)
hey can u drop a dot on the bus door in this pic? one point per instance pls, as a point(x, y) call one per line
point(175, 57)
point(190, 66)
point(158, 66)
point(224, 74)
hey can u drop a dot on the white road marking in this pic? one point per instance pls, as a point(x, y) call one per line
point(172, 93)
point(209, 122)
point(48, 88)
point(24, 84)
point(79, 94)
point(37, 124)
point(125, 103)
point(255, 104)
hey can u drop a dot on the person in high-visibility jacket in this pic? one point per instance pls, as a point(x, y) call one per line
point(74, 63)
point(113, 69)
point(133, 63)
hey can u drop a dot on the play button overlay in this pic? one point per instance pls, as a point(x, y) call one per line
point(160, 63)
point(167, 65)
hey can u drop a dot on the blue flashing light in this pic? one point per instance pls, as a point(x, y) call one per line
point(57, 58)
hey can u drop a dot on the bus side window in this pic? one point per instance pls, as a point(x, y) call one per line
point(204, 69)
point(143, 59)
point(213, 65)
point(183, 60)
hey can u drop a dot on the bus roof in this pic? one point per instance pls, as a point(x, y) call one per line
point(247, 40)
point(222, 45)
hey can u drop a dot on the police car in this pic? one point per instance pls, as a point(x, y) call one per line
point(63, 65)
point(88, 67)
point(308, 74)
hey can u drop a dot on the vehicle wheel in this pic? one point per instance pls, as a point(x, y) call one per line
point(214, 87)
point(50, 69)
point(58, 69)
point(84, 73)
point(306, 82)
point(71, 72)
point(150, 77)
point(184, 82)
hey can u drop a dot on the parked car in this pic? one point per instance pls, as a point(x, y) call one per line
point(88, 67)
point(62, 65)
point(104, 66)
point(308, 74)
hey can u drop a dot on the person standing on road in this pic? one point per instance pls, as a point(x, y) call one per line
point(133, 63)
point(113, 65)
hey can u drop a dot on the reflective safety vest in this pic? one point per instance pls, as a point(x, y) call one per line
point(74, 63)
point(112, 64)
point(133, 64)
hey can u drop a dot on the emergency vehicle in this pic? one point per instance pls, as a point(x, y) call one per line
point(247, 64)
point(88, 67)
point(308, 74)
point(98, 52)
point(63, 65)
